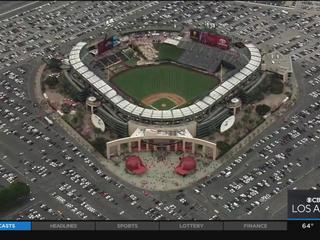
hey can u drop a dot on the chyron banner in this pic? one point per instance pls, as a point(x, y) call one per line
point(303, 204)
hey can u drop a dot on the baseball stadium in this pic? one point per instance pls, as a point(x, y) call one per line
point(164, 90)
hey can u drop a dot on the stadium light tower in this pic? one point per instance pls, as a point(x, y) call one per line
point(108, 73)
point(221, 79)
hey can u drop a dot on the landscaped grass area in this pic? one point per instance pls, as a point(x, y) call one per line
point(168, 52)
point(132, 61)
point(163, 104)
point(141, 82)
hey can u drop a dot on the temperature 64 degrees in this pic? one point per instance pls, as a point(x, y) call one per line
point(307, 225)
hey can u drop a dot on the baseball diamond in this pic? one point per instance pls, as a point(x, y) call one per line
point(164, 101)
point(163, 104)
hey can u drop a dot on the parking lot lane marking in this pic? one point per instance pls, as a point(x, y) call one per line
point(25, 208)
point(15, 9)
point(3, 160)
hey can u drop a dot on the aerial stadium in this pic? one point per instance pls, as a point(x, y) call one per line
point(164, 90)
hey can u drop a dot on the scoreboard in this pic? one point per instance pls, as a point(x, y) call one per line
point(210, 39)
point(107, 43)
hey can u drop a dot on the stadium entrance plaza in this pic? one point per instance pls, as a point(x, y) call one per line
point(160, 175)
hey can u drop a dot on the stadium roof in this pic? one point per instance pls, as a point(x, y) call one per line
point(147, 113)
point(177, 113)
point(277, 62)
point(186, 111)
point(215, 95)
point(137, 111)
point(111, 94)
point(167, 114)
point(240, 76)
point(156, 114)
point(116, 99)
point(125, 104)
point(201, 104)
point(130, 108)
point(221, 90)
point(93, 79)
point(208, 100)
point(227, 85)
point(195, 109)
point(87, 74)
point(105, 89)
point(83, 70)
point(234, 80)
point(246, 71)
point(99, 84)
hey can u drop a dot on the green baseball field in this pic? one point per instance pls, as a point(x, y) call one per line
point(143, 82)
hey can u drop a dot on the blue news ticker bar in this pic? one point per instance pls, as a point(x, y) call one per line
point(15, 226)
point(303, 219)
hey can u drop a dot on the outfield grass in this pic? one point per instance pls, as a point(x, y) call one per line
point(163, 104)
point(167, 51)
point(141, 82)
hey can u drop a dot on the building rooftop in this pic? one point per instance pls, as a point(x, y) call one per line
point(277, 62)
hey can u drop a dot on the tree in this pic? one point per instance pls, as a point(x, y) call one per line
point(97, 130)
point(66, 88)
point(262, 109)
point(10, 195)
point(243, 96)
point(52, 82)
point(288, 94)
point(54, 63)
point(65, 108)
point(255, 95)
point(223, 146)
point(82, 96)
point(80, 111)
point(245, 118)
point(265, 84)
point(276, 87)
point(247, 111)
point(227, 134)
point(75, 121)
point(272, 84)
point(100, 145)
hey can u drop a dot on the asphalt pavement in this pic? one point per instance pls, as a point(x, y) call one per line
point(59, 183)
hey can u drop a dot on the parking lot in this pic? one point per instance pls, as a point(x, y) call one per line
point(66, 180)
